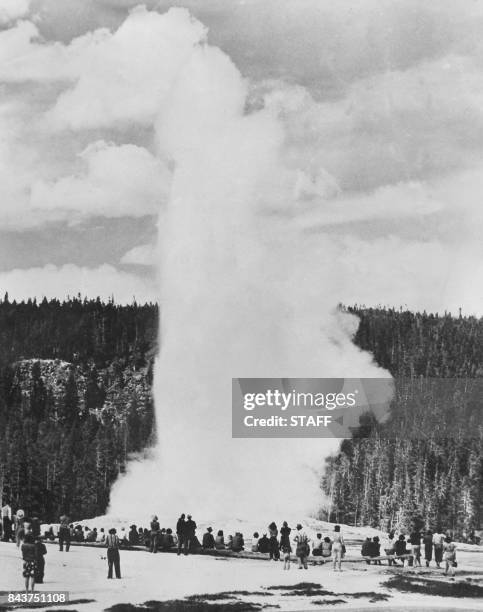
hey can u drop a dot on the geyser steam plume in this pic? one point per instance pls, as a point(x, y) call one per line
point(240, 297)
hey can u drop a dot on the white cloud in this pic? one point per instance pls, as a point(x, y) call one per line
point(118, 181)
point(10, 10)
point(142, 255)
point(52, 281)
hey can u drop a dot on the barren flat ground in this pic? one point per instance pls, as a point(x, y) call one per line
point(207, 583)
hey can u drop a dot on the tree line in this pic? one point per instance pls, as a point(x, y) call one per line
point(75, 403)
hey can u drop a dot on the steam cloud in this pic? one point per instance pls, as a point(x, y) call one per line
point(240, 297)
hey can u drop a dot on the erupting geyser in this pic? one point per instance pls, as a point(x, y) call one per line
point(242, 294)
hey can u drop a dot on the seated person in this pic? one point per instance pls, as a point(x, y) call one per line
point(254, 545)
point(367, 549)
point(317, 549)
point(220, 540)
point(208, 539)
point(263, 544)
point(238, 542)
point(326, 547)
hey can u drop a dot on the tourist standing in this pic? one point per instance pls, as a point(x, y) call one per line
point(285, 534)
point(7, 522)
point(428, 547)
point(449, 551)
point(154, 534)
point(302, 550)
point(28, 556)
point(40, 552)
point(180, 532)
point(113, 558)
point(415, 541)
point(438, 543)
point(190, 534)
point(273, 547)
point(338, 547)
point(64, 533)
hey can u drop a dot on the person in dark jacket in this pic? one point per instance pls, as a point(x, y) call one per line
point(40, 552)
point(180, 532)
point(238, 542)
point(208, 539)
point(113, 558)
point(263, 544)
point(154, 534)
point(133, 536)
point(273, 547)
point(285, 535)
point(366, 549)
point(190, 535)
point(400, 548)
point(428, 546)
point(29, 564)
point(376, 550)
point(64, 533)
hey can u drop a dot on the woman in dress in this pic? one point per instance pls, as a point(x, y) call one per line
point(273, 547)
point(29, 563)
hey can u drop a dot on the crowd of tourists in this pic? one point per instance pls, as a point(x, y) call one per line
point(409, 551)
point(277, 544)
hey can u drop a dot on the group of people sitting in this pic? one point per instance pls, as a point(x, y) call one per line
point(409, 551)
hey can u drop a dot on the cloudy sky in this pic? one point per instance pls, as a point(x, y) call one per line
point(381, 105)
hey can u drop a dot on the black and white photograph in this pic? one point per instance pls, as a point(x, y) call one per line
point(241, 305)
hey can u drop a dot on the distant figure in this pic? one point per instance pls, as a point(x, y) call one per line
point(154, 534)
point(180, 532)
point(141, 536)
point(390, 548)
point(113, 559)
point(208, 539)
point(366, 549)
point(238, 542)
point(438, 542)
point(64, 533)
point(35, 522)
point(102, 536)
point(273, 547)
point(91, 535)
point(326, 547)
point(317, 549)
point(415, 541)
point(40, 552)
point(400, 548)
point(169, 539)
point(190, 533)
point(285, 534)
point(338, 547)
point(19, 526)
point(79, 533)
point(303, 549)
point(133, 536)
point(254, 545)
point(285, 546)
point(264, 544)
point(428, 546)
point(229, 544)
point(449, 551)
point(376, 550)
point(220, 540)
point(6, 514)
point(28, 556)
